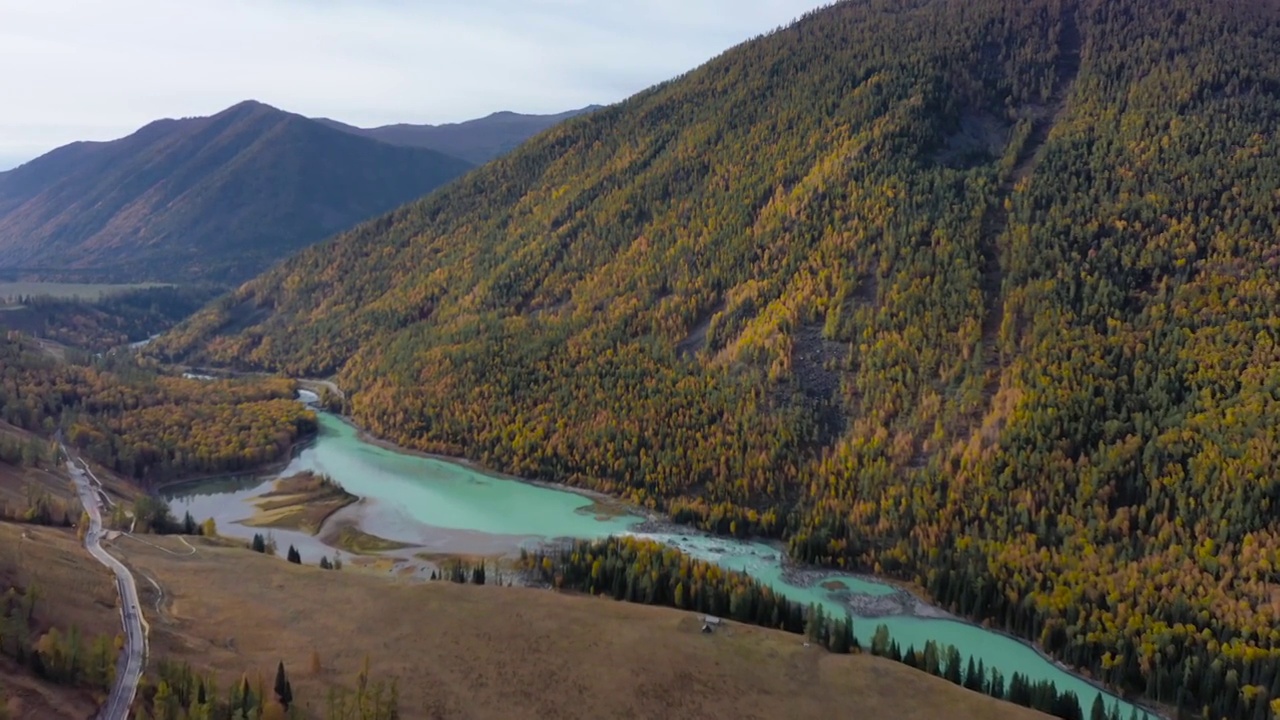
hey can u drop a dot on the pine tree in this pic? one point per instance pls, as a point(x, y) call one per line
point(246, 696)
point(973, 677)
point(294, 556)
point(284, 692)
point(259, 544)
point(952, 671)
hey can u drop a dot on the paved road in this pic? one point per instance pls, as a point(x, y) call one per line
point(132, 659)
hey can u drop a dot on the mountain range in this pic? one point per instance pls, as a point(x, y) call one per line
point(221, 198)
point(979, 294)
point(476, 141)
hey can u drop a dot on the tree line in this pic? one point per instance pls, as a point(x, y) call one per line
point(177, 692)
point(644, 571)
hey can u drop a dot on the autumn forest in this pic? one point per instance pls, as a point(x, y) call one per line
point(977, 295)
point(974, 294)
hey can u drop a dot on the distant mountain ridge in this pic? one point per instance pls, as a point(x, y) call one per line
point(215, 198)
point(477, 141)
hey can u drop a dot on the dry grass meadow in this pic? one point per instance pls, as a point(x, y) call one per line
point(490, 652)
point(456, 651)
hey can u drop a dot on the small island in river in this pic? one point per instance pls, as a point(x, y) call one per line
point(300, 502)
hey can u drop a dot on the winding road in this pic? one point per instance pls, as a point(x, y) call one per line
point(129, 666)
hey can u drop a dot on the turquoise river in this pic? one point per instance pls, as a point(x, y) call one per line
point(440, 507)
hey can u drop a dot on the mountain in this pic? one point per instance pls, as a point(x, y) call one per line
point(476, 141)
point(974, 293)
point(216, 198)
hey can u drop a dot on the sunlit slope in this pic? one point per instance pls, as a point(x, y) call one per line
point(976, 293)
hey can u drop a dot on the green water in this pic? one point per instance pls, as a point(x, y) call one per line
point(437, 504)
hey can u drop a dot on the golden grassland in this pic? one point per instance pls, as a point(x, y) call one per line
point(458, 651)
point(464, 651)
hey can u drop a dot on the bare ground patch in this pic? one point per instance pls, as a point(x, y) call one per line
point(696, 340)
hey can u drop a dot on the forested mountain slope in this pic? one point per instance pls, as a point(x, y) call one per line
point(477, 141)
point(214, 199)
point(975, 292)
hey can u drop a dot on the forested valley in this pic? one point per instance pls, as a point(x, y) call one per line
point(143, 424)
point(979, 294)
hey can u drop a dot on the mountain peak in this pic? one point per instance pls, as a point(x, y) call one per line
point(215, 198)
point(246, 108)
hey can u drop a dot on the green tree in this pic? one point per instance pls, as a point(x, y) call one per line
point(283, 690)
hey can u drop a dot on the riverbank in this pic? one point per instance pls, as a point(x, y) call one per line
point(897, 603)
point(900, 601)
point(450, 506)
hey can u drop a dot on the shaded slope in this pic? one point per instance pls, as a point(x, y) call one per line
point(477, 141)
point(889, 284)
point(216, 198)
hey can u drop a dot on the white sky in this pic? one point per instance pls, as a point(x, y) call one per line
point(99, 69)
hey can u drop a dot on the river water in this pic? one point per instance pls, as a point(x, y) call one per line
point(441, 507)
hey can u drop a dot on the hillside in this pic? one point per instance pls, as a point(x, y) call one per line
point(496, 652)
point(74, 604)
point(973, 293)
point(215, 199)
point(476, 141)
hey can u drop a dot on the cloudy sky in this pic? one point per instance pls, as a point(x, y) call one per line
point(94, 70)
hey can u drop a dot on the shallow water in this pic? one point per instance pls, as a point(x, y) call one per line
point(448, 507)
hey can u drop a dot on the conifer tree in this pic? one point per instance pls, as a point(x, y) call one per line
point(284, 692)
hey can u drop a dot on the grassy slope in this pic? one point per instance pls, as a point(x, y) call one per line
point(486, 652)
point(73, 590)
point(14, 481)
